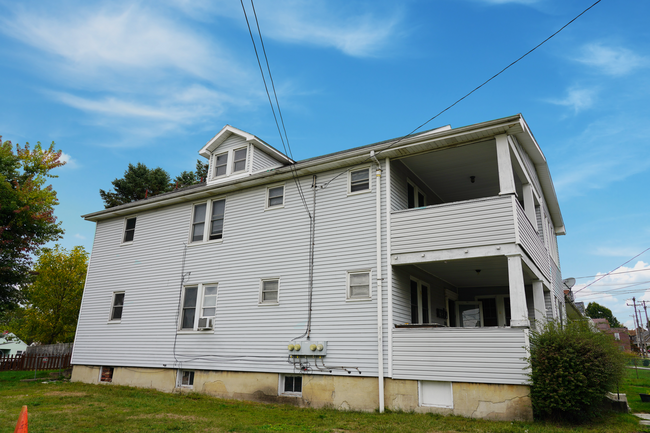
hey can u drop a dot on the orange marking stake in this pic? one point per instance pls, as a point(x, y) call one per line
point(21, 425)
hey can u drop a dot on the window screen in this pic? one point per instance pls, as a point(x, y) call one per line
point(216, 220)
point(129, 230)
point(360, 180)
point(239, 160)
point(118, 304)
point(359, 285)
point(198, 223)
point(270, 291)
point(189, 307)
point(220, 165)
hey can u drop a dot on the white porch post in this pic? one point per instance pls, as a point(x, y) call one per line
point(518, 307)
point(506, 176)
point(539, 304)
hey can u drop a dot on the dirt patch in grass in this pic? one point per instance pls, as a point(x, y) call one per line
point(65, 394)
point(168, 416)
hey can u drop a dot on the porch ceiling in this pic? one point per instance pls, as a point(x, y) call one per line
point(462, 273)
point(447, 172)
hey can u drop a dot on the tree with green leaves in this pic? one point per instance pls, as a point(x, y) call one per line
point(51, 302)
point(27, 219)
point(187, 178)
point(597, 311)
point(138, 182)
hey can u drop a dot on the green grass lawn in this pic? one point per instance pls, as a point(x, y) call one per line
point(78, 407)
point(633, 386)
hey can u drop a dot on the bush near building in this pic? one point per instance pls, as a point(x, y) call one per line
point(572, 367)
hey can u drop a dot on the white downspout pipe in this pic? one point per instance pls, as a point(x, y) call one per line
point(380, 293)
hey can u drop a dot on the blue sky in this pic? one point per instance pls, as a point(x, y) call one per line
point(123, 82)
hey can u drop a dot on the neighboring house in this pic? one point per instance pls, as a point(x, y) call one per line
point(10, 345)
point(620, 335)
point(432, 257)
point(574, 310)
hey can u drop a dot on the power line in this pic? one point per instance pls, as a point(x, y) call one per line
point(582, 288)
point(468, 94)
point(282, 139)
point(615, 273)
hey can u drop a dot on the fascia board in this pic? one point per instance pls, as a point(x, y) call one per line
point(530, 145)
point(339, 160)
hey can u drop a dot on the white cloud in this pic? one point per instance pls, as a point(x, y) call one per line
point(79, 236)
point(69, 161)
point(348, 28)
point(577, 98)
point(611, 60)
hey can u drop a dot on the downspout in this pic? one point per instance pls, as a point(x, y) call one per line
point(380, 293)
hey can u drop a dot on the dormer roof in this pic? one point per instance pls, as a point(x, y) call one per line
point(228, 130)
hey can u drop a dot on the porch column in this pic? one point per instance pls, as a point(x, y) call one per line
point(539, 304)
point(518, 307)
point(506, 176)
point(529, 204)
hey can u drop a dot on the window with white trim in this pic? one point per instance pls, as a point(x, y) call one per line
point(185, 378)
point(129, 230)
point(290, 385)
point(275, 197)
point(221, 164)
point(270, 291)
point(358, 285)
point(117, 306)
point(198, 302)
point(415, 196)
point(436, 394)
point(201, 231)
point(239, 160)
point(359, 180)
point(106, 374)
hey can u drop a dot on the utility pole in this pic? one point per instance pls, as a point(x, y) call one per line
point(647, 322)
point(639, 329)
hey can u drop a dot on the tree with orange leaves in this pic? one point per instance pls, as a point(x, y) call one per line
point(27, 219)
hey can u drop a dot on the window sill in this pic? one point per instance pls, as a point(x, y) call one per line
point(268, 304)
point(123, 244)
point(194, 332)
point(273, 207)
point(290, 394)
point(214, 241)
point(365, 191)
point(358, 299)
point(111, 322)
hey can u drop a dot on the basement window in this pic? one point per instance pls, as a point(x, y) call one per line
point(436, 394)
point(106, 374)
point(291, 385)
point(185, 378)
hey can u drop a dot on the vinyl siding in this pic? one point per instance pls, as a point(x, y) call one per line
point(531, 243)
point(487, 221)
point(485, 355)
point(262, 161)
point(256, 244)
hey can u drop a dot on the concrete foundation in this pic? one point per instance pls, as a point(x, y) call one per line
point(475, 400)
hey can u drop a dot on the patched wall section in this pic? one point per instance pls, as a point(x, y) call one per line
point(473, 400)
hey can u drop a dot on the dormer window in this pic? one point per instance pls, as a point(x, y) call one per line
point(239, 163)
point(221, 164)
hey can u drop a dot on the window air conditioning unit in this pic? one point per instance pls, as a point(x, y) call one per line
point(205, 323)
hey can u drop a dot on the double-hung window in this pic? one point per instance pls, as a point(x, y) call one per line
point(275, 197)
point(239, 160)
point(269, 291)
point(359, 180)
point(212, 231)
point(199, 302)
point(129, 230)
point(118, 305)
point(358, 285)
point(221, 165)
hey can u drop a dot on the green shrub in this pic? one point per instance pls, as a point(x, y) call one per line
point(646, 362)
point(572, 367)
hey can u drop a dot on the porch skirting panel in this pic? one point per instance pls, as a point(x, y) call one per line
point(480, 355)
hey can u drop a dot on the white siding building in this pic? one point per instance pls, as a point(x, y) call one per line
point(409, 273)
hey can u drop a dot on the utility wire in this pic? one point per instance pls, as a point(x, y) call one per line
point(616, 273)
point(291, 166)
point(466, 95)
point(610, 272)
